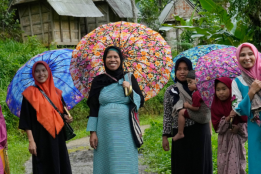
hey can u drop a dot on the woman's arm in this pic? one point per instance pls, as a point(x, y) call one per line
point(32, 145)
point(136, 88)
point(94, 106)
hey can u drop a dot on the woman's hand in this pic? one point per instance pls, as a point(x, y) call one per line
point(235, 129)
point(94, 140)
point(32, 148)
point(68, 119)
point(165, 143)
point(255, 86)
point(126, 84)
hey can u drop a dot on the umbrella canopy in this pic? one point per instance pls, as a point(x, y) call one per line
point(147, 56)
point(218, 63)
point(59, 63)
point(195, 53)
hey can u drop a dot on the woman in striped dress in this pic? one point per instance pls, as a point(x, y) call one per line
point(109, 122)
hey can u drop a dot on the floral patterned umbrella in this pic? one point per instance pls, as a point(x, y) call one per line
point(59, 62)
point(147, 56)
point(218, 63)
point(195, 53)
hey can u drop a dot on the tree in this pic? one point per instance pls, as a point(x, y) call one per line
point(217, 26)
point(150, 11)
point(134, 11)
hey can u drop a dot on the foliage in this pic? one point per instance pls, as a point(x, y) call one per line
point(150, 11)
point(154, 156)
point(249, 12)
point(9, 27)
point(158, 160)
point(154, 106)
point(217, 26)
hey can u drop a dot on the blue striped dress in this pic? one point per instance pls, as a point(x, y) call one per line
point(116, 152)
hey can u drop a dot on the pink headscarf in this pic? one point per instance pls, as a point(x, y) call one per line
point(253, 72)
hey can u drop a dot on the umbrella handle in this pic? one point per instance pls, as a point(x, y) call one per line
point(126, 91)
point(230, 123)
point(67, 112)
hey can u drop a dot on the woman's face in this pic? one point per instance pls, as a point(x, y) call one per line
point(247, 58)
point(40, 73)
point(112, 60)
point(222, 91)
point(182, 71)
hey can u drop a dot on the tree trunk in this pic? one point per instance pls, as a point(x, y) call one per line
point(134, 11)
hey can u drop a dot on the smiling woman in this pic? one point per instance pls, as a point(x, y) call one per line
point(247, 58)
point(41, 73)
point(43, 125)
point(109, 123)
point(246, 92)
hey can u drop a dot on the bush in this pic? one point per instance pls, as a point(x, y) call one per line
point(9, 27)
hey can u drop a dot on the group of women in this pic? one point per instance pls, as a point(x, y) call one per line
point(115, 151)
point(239, 100)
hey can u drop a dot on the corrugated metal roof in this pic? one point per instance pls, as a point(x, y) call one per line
point(165, 12)
point(167, 9)
point(14, 2)
point(122, 8)
point(76, 8)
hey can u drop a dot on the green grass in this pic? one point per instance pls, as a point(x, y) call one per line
point(157, 159)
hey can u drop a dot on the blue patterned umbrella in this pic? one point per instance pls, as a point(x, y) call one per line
point(59, 63)
point(195, 53)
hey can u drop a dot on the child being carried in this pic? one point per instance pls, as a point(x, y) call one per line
point(196, 104)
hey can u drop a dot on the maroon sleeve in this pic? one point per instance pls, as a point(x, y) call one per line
point(196, 99)
point(186, 115)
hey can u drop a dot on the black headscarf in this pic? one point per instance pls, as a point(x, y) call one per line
point(104, 80)
point(189, 64)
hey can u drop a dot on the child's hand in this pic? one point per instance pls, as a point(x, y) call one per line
point(186, 105)
point(235, 129)
point(232, 113)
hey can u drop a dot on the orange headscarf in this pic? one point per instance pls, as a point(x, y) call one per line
point(47, 116)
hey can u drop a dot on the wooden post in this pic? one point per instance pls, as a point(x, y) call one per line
point(30, 18)
point(70, 30)
point(86, 26)
point(52, 29)
point(79, 28)
point(61, 30)
point(41, 20)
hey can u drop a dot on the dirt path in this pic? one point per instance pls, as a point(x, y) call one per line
point(81, 155)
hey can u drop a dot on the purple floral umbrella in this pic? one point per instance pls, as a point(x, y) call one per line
point(218, 63)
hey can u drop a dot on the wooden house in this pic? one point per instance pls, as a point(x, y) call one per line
point(65, 22)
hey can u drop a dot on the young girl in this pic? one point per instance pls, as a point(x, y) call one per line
point(231, 152)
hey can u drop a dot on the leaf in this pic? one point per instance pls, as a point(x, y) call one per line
point(209, 5)
point(197, 35)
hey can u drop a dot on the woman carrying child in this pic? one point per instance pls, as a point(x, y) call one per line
point(231, 152)
point(197, 111)
point(191, 154)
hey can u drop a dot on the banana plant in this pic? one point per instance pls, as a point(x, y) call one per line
point(232, 31)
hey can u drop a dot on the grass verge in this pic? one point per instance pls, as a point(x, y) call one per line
point(158, 160)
